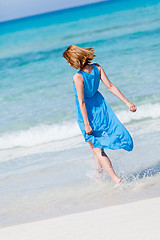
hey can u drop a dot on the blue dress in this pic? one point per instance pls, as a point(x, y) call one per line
point(108, 131)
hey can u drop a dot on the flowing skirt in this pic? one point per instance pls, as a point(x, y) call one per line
point(108, 131)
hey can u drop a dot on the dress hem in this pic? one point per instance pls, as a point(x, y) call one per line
point(113, 148)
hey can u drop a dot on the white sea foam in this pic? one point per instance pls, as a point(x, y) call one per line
point(143, 112)
point(48, 133)
point(39, 135)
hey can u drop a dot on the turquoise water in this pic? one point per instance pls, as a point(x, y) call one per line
point(43, 157)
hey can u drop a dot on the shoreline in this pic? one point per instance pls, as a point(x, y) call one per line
point(84, 204)
point(130, 220)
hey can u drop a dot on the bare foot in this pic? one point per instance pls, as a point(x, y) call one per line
point(117, 180)
point(99, 174)
point(99, 169)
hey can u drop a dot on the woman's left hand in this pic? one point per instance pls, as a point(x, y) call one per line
point(132, 107)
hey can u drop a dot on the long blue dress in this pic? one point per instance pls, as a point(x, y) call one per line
point(108, 131)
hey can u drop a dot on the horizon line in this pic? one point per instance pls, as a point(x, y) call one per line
point(51, 12)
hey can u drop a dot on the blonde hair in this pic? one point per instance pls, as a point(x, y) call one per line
point(78, 57)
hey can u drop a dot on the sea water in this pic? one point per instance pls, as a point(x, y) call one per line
point(46, 167)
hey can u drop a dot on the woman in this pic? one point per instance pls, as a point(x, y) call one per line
point(97, 121)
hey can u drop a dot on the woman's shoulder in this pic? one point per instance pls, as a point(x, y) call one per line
point(77, 77)
point(98, 66)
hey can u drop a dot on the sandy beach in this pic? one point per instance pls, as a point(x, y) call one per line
point(136, 220)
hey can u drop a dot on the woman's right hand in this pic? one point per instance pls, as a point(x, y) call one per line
point(88, 129)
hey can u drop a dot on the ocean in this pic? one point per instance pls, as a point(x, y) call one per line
point(46, 168)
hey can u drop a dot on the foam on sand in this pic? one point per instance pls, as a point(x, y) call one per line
point(136, 220)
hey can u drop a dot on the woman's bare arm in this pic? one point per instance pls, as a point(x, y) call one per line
point(113, 89)
point(78, 80)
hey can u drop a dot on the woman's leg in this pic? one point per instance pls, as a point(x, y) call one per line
point(97, 162)
point(105, 162)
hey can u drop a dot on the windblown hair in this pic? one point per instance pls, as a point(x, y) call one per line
point(78, 57)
